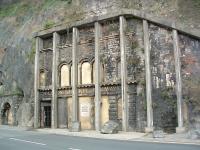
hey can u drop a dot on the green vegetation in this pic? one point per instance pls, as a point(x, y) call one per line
point(48, 24)
point(15, 90)
point(17, 9)
point(28, 6)
point(31, 55)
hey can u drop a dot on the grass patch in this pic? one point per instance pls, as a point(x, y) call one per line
point(48, 24)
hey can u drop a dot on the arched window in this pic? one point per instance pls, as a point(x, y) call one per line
point(86, 73)
point(42, 78)
point(64, 75)
point(102, 73)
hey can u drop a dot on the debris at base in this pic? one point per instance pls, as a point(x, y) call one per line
point(110, 127)
point(158, 134)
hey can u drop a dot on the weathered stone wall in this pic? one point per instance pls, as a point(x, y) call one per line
point(163, 78)
point(16, 28)
point(190, 65)
point(136, 74)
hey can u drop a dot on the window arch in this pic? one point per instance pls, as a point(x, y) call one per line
point(86, 73)
point(64, 75)
point(42, 78)
point(102, 73)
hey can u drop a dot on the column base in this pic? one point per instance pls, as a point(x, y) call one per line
point(149, 129)
point(76, 127)
point(180, 129)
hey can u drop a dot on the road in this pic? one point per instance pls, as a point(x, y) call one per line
point(18, 139)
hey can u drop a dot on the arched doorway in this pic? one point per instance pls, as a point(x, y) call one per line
point(7, 118)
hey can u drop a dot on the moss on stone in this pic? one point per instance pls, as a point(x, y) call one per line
point(48, 24)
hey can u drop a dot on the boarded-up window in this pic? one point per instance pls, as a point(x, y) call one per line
point(64, 75)
point(86, 73)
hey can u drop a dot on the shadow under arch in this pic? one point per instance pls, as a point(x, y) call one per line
point(6, 114)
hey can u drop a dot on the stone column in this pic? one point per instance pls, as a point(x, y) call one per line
point(177, 55)
point(97, 77)
point(39, 46)
point(122, 21)
point(54, 103)
point(75, 115)
point(149, 127)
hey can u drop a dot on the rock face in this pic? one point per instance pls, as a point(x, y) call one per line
point(110, 127)
point(25, 115)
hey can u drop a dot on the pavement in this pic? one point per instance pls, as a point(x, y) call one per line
point(13, 138)
point(126, 136)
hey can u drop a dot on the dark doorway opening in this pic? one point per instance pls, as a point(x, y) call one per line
point(6, 114)
point(47, 116)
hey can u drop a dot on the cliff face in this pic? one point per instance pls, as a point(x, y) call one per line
point(19, 19)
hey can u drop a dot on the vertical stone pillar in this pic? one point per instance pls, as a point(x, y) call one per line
point(97, 77)
point(39, 45)
point(122, 21)
point(75, 119)
point(177, 54)
point(54, 103)
point(149, 127)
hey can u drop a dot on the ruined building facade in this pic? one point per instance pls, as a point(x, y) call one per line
point(124, 66)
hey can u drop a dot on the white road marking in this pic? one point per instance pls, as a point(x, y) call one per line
point(27, 141)
point(73, 148)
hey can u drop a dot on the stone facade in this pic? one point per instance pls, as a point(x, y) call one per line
point(130, 37)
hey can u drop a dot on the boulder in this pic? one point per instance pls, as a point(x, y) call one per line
point(110, 127)
point(158, 134)
point(194, 134)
